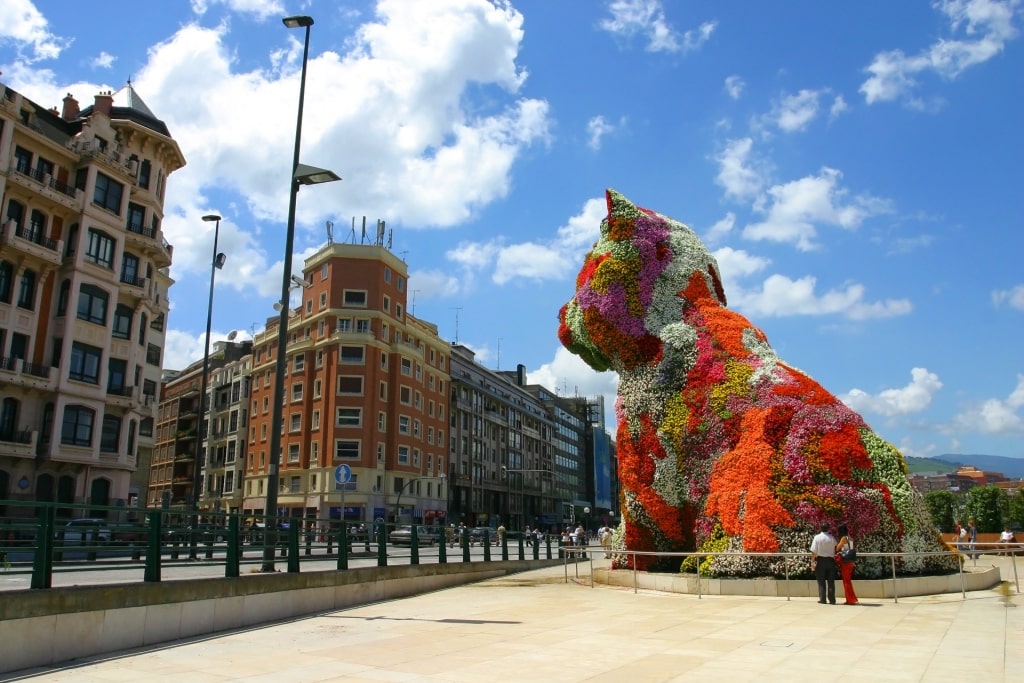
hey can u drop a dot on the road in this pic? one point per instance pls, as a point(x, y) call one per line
point(117, 567)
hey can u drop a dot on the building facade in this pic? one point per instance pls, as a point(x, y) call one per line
point(83, 295)
point(366, 387)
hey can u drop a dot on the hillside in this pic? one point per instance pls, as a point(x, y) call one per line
point(1013, 468)
point(928, 465)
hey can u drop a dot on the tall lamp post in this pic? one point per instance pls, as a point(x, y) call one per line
point(398, 503)
point(300, 175)
point(197, 474)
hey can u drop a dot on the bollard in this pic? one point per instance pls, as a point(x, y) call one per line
point(382, 545)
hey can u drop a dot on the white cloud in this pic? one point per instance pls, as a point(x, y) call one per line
point(838, 107)
point(181, 349)
point(567, 375)
point(987, 25)
point(794, 112)
point(736, 174)
point(781, 296)
point(736, 264)
point(597, 128)
point(646, 18)
point(995, 416)
point(260, 8)
point(734, 85)
point(1013, 297)
point(721, 229)
point(22, 24)
point(915, 397)
point(536, 260)
point(795, 207)
point(104, 60)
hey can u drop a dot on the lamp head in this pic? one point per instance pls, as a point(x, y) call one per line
point(209, 218)
point(299, 21)
point(218, 262)
point(311, 175)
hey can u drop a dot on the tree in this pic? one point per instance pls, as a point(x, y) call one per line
point(942, 506)
point(1015, 509)
point(988, 506)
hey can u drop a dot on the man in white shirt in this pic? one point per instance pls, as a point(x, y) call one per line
point(823, 563)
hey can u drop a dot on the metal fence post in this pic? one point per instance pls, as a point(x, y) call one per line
point(382, 547)
point(414, 545)
point(42, 562)
point(152, 573)
point(442, 546)
point(522, 553)
point(504, 547)
point(465, 545)
point(342, 545)
point(487, 546)
point(293, 546)
point(232, 556)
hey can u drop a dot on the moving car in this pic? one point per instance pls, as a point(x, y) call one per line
point(86, 530)
point(424, 534)
point(205, 533)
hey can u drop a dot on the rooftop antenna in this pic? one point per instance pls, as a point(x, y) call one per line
point(402, 254)
point(330, 232)
point(414, 301)
point(457, 309)
point(498, 366)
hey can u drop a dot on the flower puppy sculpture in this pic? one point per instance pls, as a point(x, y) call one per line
point(721, 445)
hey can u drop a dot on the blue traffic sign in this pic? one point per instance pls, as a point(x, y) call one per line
point(342, 474)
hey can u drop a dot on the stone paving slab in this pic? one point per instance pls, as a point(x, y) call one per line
point(537, 627)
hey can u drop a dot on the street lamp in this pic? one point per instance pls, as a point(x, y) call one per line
point(215, 265)
point(398, 503)
point(300, 175)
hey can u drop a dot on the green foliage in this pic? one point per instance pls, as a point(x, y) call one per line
point(718, 542)
point(988, 505)
point(942, 506)
point(1015, 509)
point(917, 465)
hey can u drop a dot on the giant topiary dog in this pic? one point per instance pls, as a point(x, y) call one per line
point(722, 445)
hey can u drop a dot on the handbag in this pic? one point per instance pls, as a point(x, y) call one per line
point(848, 554)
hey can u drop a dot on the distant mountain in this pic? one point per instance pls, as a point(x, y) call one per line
point(1013, 468)
point(928, 465)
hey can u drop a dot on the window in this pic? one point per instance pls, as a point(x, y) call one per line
point(153, 354)
point(296, 392)
point(383, 391)
point(122, 322)
point(384, 331)
point(405, 396)
point(323, 300)
point(295, 485)
point(323, 272)
point(130, 269)
point(76, 430)
point(401, 284)
point(299, 362)
point(350, 384)
point(406, 367)
point(136, 218)
point(143, 323)
point(92, 304)
point(403, 424)
point(110, 435)
point(316, 388)
point(316, 419)
point(117, 376)
point(382, 421)
point(85, 363)
point(355, 298)
point(108, 193)
point(398, 311)
point(22, 160)
point(387, 274)
point(145, 170)
point(363, 325)
point(6, 281)
point(344, 325)
point(350, 417)
point(296, 420)
point(346, 449)
point(314, 452)
point(403, 455)
point(352, 354)
point(387, 304)
point(99, 248)
point(293, 452)
point(27, 290)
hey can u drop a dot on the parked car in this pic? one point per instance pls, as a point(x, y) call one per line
point(403, 535)
point(205, 533)
point(87, 530)
point(357, 533)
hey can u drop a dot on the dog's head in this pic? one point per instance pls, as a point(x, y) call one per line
point(632, 286)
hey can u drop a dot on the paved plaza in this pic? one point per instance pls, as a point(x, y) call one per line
point(536, 627)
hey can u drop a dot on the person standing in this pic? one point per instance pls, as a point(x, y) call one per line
point(500, 536)
point(823, 563)
point(972, 538)
point(846, 566)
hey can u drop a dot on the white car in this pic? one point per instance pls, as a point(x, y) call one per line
point(85, 530)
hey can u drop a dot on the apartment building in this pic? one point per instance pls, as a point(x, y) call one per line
point(186, 431)
point(83, 294)
point(366, 386)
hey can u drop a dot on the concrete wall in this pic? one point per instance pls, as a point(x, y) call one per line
point(973, 580)
point(46, 627)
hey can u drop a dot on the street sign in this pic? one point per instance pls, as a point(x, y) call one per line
point(342, 474)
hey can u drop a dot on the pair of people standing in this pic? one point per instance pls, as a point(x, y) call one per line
point(826, 562)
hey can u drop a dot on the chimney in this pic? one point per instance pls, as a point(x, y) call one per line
point(71, 110)
point(104, 102)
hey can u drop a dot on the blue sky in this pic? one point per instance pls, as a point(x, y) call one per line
point(855, 167)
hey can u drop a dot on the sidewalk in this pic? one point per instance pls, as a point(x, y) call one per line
point(535, 627)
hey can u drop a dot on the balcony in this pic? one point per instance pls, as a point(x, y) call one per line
point(135, 282)
point(16, 371)
point(31, 240)
point(19, 444)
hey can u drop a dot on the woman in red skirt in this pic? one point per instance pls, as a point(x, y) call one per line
point(845, 568)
